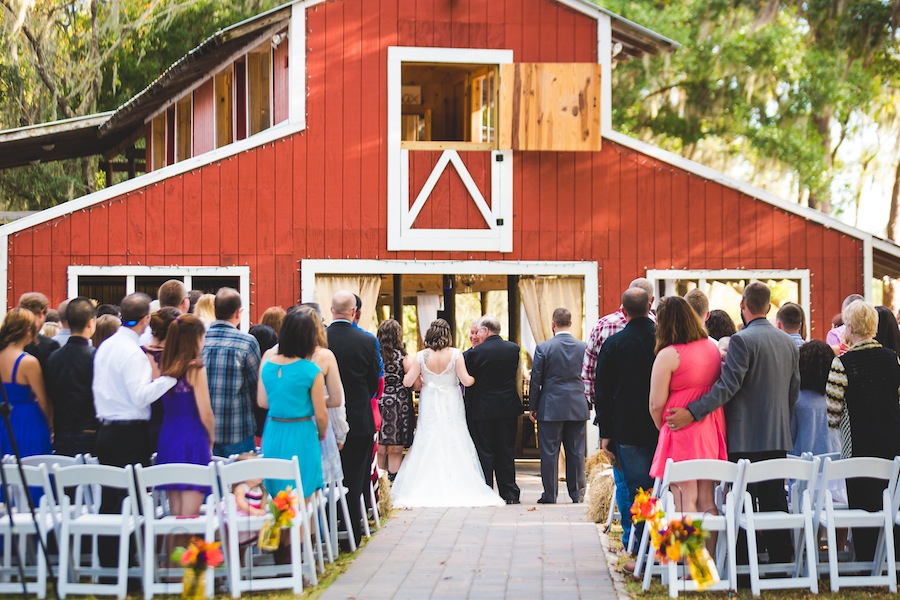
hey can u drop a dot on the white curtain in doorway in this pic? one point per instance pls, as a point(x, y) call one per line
point(542, 295)
point(426, 311)
point(366, 287)
point(528, 343)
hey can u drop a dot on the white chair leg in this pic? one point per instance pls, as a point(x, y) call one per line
point(325, 529)
point(62, 573)
point(149, 564)
point(613, 505)
point(365, 516)
point(753, 558)
point(833, 567)
point(375, 516)
point(811, 571)
point(122, 580)
point(642, 548)
point(345, 510)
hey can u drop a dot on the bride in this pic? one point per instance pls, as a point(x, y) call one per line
point(442, 467)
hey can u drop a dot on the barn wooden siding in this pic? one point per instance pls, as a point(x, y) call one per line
point(322, 193)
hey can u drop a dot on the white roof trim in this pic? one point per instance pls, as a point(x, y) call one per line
point(810, 214)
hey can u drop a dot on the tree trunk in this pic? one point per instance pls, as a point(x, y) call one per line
point(892, 216)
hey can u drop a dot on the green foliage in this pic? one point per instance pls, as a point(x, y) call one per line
point(772, 83)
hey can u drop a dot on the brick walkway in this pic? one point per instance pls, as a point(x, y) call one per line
point(523, 551)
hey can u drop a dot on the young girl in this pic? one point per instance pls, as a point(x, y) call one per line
point(250, 497)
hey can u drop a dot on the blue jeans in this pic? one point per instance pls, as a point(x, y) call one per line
point(622, 501)
point(226, 450)
point(635, 463)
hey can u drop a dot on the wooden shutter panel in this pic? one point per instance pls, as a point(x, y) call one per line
point(550, 106)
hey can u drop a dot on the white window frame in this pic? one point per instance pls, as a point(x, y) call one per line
point(186, 273)
point(400, 231)
point(704, 275)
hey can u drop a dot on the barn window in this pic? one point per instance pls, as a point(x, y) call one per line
point(183, 114)
point(224, 98)
point(108, 285)
point(259, 88)
point(454, 103)
point(158, 142)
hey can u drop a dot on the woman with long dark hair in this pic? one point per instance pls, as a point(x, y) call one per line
point(687, 365)
point(397, 413)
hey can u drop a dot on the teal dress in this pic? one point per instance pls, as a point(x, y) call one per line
point(290, 425)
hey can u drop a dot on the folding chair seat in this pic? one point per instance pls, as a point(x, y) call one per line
point(19, 530)
point(255, 574)
point(883, 569)
point(801, 573)
point(79, 520)
point(725, 522)
point(160, 523)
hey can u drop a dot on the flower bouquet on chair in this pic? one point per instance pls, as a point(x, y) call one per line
point(281, 511)
point(196, 558)
point(676, 539)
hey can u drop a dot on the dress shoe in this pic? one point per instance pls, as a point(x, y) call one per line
point(513, 501)
point(543, 500)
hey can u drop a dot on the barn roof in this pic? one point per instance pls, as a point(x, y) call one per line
point(57, 140)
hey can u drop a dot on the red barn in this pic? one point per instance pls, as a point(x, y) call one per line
point(419, 148)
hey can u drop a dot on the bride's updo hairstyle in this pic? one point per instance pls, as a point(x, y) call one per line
point(438, 335)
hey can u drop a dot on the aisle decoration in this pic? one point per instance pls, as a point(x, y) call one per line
point(676, 539)
point(196, 558)
point(281, 511)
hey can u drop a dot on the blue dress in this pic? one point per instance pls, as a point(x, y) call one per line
point(290, 425)
point(28, 422)
point(182, 436)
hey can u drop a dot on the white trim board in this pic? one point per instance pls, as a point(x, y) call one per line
point(130, 272)
point(309, 268)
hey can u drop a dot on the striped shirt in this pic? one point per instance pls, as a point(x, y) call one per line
point(232, 368)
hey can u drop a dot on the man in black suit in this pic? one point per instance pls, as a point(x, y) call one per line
point(357, 359)
point(494, 406)
point(43, 346)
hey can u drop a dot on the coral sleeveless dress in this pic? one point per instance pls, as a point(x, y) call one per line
point(698, 369)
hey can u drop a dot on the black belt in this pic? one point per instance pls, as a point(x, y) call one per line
point(124, 423)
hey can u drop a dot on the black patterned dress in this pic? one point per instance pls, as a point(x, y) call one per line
point(397, 416)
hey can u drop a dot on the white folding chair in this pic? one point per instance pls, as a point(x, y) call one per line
point(18, 528)
point(159, 522)
point(613, 507)
point(800, 573)
point(720, 471)
point(255, 575)
point(81, 520)
point(336, 494)
point(644, 546)
point(882, 570)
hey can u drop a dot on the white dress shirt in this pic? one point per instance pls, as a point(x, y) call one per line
point(123, 384)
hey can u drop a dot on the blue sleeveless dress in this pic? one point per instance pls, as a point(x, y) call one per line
point(182, 436)
point(288, 389)
point(28, 423)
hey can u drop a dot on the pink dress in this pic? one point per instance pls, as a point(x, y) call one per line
point(698, 369)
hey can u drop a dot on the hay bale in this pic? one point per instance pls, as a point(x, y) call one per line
point(385, 505)
point(597, 460)
point(599, 495)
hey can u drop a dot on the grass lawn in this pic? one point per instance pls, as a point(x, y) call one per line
point(658, 592)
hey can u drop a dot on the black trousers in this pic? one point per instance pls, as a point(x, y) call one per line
point(495, 441)
point(119, 444)
point(356, 460)
point(768, 496)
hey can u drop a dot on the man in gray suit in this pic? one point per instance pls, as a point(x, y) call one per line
point(558, 404)
point(758, 386)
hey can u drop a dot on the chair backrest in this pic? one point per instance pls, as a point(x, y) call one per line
point(782, 468)
point(149, 478)
point(259, 468)
point(701, 469)
point(36, 476)
point(105, 476)
point(53, 460)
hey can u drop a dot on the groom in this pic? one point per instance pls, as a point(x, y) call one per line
point(493, 405)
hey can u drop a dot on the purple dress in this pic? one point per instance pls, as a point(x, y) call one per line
point(183, 438)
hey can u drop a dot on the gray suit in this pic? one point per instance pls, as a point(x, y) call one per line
point(758, 386)
point(557, 398)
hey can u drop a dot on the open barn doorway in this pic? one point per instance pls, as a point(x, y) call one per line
point(522, 295)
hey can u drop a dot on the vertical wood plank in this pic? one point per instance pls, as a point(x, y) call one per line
point(333, 168)
point(284, 195)
point(266, 214)
point(168, 239)
point(354, 95)
point(248, 205)
point(229, 208)
point(204, 117)
point(211, 209)
point(191, 215)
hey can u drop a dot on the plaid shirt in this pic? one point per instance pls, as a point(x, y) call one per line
point(232, 368)
point(606, 326)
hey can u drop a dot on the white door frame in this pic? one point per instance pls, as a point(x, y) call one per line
point(309, 268)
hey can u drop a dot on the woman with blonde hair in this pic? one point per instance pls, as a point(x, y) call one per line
point(273, 317)
point(205, 309)
point(686, 367)
point(862, 393)
point(23, 382)
point(106, 326)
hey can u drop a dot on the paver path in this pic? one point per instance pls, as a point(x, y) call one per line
point(521, 551)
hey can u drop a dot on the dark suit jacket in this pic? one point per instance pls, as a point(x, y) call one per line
point(758, 386)
point(42, 349)
point(557, 392)
point(357, 359)
point(623, 385)
point(495, 366)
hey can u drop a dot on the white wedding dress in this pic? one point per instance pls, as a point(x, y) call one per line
point(442, 467)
